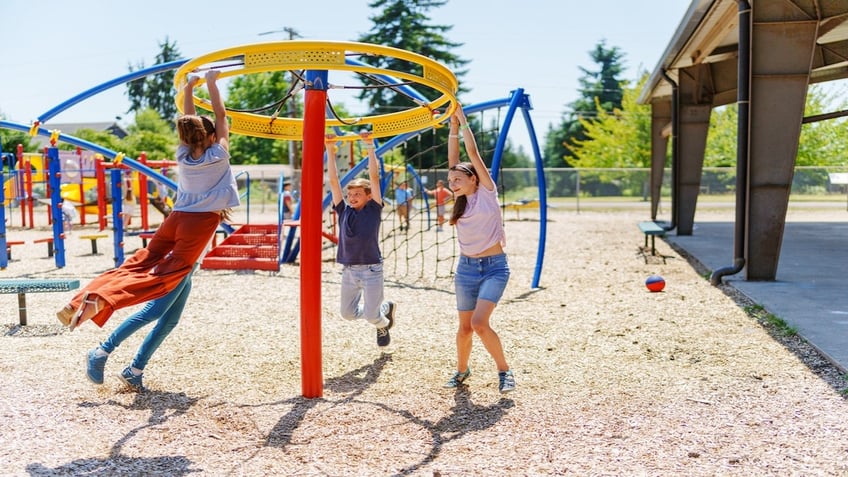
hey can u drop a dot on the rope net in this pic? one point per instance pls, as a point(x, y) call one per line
point(415, 248)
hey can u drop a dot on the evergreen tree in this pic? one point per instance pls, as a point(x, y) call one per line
point(156, 91)
point(601, 88)
point(404, 24)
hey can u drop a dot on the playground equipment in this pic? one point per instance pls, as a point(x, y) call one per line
point(431, 104)
point(54, 180)
point(316, 58)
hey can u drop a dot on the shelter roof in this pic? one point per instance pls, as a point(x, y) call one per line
point(709, 34)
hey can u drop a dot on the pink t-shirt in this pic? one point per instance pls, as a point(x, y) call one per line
point(480, 226)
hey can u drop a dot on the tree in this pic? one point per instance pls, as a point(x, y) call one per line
point(721, 137)
point(152, 135)
point(9, 140)
point(602, 88)
point(821, 142)
point(255, 92)
point(404, 24)
point(156, 91)
point(617, 139)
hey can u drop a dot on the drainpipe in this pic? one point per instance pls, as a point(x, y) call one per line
point(675, 127)
point(743, 97)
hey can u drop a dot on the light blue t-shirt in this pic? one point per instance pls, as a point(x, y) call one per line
point(206, 184)
point(402, 196)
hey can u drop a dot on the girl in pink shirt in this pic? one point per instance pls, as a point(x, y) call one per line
point(483, 271)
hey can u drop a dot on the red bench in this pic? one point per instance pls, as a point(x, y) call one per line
point(9, 244)
point(49, 242)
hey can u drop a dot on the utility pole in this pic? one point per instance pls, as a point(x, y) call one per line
point(291, 110)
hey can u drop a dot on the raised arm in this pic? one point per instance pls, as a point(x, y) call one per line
point(472, 151)
point(222, 127)
point(188, 95)
point(373, 168)
point(332, 169)
point(453, 142)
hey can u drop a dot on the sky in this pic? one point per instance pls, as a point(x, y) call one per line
point(52, 50)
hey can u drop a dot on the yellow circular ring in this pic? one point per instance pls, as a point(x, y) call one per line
point(326, 55)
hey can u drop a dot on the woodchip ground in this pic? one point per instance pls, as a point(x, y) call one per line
point(612, 379)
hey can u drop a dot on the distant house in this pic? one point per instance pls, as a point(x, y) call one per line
point(70, 128)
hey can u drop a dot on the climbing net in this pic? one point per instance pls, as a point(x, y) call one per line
point(416, 249)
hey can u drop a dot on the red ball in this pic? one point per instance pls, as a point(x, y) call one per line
point(655, 283)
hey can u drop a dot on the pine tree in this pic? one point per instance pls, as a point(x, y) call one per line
point(155, 91)
point(601, 88)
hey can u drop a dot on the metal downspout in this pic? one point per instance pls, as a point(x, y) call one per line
point(675, 127)
point(743, 97)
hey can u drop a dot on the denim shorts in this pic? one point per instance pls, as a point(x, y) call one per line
point(482, 278)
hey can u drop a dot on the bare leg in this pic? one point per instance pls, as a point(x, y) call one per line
point(464, 336)
point(480, 324)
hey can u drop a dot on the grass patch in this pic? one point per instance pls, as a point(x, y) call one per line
point(771, 320)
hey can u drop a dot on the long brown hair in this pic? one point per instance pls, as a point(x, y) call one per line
point(461, 201)
point(193, 129)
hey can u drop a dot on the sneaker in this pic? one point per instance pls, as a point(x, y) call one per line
point(506, 381)
point(387, 309)
point(458, 378)
point(383, 337)
point(131, 380)
point(94, 366)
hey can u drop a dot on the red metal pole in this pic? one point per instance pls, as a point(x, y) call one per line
point(142, 193)
point(81, 175)
point(100, 175)
point(19, 185)
point(28, 177)
point(312, 188)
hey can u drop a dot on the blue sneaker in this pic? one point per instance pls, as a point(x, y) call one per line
point(131, 380)
point(458, 378)
point(95, 366)
point(506, 381)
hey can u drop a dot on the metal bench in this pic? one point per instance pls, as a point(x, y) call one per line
point(24, 286)
point(653, 230)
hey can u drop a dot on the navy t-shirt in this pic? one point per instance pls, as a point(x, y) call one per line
point(359, 234)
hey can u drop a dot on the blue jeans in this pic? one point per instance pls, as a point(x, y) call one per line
point(166, 309)
point(362, 293)
point(482, 278)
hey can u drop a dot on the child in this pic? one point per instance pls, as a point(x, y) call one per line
point(128, 206)
point(69, 215)
point(482, 272)
point(288, 200)
point(403, 199)
point(166, 311)
point(359, 244)
point(441, 194)
point(206, 192)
